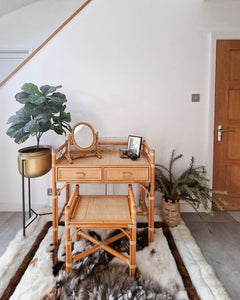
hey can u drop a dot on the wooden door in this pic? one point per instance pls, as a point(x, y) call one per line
point(226, 169)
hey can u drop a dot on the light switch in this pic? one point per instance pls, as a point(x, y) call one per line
point(195, 97)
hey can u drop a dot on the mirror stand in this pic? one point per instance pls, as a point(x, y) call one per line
point(70, 156)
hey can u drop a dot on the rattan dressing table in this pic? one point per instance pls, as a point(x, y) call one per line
point(110, 169)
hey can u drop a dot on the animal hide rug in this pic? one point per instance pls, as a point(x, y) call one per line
point(100, 276)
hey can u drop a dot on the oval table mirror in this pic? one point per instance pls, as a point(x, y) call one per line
point(83, 136)
point(84, 139)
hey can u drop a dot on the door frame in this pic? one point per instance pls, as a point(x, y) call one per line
point(213, 37)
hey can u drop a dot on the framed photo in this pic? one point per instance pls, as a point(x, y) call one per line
point(134, 144)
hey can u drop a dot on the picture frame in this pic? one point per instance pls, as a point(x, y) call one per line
point(134, 144)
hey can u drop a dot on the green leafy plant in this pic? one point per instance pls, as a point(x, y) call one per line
point(191, 186)
point(43, 110)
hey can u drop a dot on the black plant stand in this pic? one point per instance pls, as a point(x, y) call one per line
point(29, 203)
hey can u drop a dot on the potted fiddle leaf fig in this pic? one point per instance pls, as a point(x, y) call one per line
point(192, 186)
point(43, 110)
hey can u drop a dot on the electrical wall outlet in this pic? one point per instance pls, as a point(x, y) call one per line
point(49, 191)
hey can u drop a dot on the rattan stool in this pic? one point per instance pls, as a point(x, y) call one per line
point(103, 212)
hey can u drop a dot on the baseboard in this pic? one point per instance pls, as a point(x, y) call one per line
point(13, 206)
point(6, 206)
point(185, 207)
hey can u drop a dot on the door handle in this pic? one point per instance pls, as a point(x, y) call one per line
point(220, 131)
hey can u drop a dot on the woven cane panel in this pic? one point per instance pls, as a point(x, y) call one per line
point(102, 209)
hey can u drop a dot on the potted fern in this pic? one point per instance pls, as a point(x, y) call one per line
point(43, 110)
point(191, 186)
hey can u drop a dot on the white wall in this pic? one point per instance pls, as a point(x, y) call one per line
point(29, 26)
point(128, 67)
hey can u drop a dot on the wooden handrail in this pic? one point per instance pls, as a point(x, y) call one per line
point(44, 43)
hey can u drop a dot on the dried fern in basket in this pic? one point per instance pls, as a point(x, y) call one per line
point(191, 186)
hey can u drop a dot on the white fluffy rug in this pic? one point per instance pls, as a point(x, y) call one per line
point(39, 280)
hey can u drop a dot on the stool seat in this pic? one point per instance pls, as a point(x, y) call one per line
point(99, 210)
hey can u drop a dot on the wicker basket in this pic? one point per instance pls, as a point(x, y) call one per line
point(170, 212)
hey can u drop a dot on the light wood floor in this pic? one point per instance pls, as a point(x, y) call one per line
point(222, 249)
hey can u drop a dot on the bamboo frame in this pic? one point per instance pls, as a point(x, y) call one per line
point(143, 206)
point(68, 244)
point(67, 197)
point(92, 150)
point(149, 164)
point(70, 222)
point(54, 199)
point(132, 254)
point(151, 197)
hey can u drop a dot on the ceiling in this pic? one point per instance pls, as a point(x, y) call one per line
point(7, 6)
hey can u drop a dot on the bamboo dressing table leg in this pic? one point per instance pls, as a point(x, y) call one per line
point(54, 200)
point(151, 199)
point(142, 199)
point(67, 192)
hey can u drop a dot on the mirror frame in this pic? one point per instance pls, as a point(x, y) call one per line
point(93, 135)
point(84, 152)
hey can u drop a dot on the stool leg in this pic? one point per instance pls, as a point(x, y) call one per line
point(78, 237)
point(132, 255)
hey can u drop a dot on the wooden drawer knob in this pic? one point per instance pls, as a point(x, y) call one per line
point(82, 174)
point(126, 174)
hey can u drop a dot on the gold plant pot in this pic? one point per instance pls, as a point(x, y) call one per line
point(170, 212)
point(36, 163)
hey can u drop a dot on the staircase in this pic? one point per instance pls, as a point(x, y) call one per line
point(24, 55)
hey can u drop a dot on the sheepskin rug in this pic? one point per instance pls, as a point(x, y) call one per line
point(102, 277)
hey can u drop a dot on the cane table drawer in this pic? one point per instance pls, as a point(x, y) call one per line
point(90, 174)
point(126, 174)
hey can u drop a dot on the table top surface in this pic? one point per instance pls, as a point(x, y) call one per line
point(109, 158)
